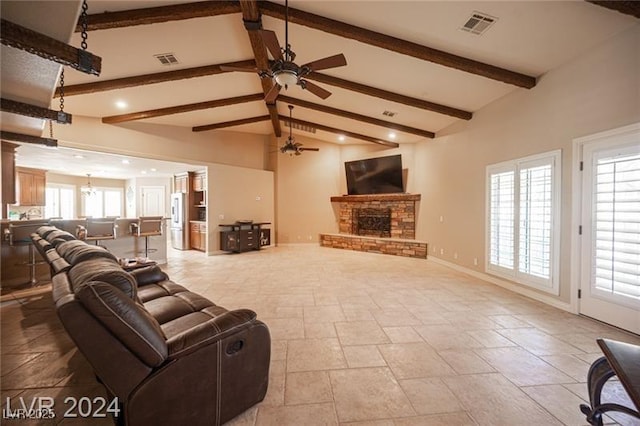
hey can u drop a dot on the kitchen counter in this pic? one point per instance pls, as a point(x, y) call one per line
point(15, 273)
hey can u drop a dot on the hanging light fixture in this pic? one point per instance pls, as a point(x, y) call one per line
point(88, 190)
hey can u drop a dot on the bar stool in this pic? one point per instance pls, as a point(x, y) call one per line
point(20, 235)
point(147, 226)
point(99, 229)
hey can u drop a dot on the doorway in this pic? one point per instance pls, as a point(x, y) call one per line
point(610, 224)
point(153, 200)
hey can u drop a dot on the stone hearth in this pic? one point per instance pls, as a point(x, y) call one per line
point(401, 232)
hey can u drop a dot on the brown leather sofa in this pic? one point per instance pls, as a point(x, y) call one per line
point(170, 356)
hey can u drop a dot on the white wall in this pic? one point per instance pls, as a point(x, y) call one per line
point(597, 91)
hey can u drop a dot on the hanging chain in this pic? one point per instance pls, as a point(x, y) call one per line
point(51, 129)
point(83, 24)
point(62, 90)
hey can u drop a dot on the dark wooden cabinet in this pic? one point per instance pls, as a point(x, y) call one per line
point(8, 176)
point(239, 237)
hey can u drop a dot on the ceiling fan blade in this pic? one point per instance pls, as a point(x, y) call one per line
point(272, 94)
point(329, 62)
point(241, 69)
point(315, 89)
point(308, 149)
point(271, 41)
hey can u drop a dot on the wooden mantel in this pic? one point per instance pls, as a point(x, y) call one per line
point(375, 197)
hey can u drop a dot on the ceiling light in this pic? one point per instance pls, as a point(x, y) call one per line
point(392, 135)
point(78, 156)
point(286, 78)
point(125, 161)
point(121, 104)
point(144, 172)
point(341, 138)
point(88, 190)
point(153, 170)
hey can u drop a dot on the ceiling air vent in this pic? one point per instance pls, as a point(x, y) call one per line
point(478, 23)
point(166, 58)
point(302, 127)
point(389, 113)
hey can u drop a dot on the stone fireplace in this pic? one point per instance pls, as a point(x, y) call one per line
point(381, 223)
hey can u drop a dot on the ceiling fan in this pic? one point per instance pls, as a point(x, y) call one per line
point(284, 71)
point(290, 146)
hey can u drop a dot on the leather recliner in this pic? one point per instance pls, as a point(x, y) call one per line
point(169, 355)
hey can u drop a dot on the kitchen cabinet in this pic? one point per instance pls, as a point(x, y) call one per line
point(198, 235)
point(200, 181)
point(181, 183)
point(8, 175)
point(30, 186)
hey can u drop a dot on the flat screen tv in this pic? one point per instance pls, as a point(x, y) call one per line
point(382, 175)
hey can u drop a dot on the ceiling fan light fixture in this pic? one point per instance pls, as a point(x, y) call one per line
point(286, 78)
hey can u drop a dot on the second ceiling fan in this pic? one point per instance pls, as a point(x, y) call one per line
point(284, 71)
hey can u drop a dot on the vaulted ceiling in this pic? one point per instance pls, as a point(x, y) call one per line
point(411, 67)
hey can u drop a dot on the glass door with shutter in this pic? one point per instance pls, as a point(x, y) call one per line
point(610, 259)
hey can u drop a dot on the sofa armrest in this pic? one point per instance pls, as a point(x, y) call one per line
point(210, 332)
point(149, 275)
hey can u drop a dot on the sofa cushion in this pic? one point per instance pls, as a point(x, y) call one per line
point(58, 234)
point(77, 251)
point(126, 319)
point(149, 275)
point(105, 270)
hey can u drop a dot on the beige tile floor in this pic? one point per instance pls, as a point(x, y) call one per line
point(358, 339)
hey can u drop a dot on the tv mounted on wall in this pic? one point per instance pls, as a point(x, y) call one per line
point(382, 175)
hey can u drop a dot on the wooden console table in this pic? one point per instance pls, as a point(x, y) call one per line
point(622, 360)
point(239, 236)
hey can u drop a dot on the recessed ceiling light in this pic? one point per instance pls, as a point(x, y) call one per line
point(341, 138)
point(125, 161)
point(144, 172)
point(153, 170)
point(392, 135)
point(78, 156)
point(121, 104)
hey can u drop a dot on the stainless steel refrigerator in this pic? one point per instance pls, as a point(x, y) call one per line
point(179, 231)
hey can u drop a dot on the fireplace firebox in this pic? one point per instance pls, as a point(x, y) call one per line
point(372, 222)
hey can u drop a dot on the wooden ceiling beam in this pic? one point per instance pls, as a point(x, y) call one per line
point(141, 115)
point(141, 80)
point(232, 123)
point(29, 110)
point(389, 96)
point(357, 117)
point(154, 15)
point(49, 48)
point(253, 24)
point(20, 137)
point(340, 132)
point(628, 7)
point(394, 44)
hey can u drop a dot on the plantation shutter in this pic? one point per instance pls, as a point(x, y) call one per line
point(616, 226)
point(535, 227)
point(502, 207)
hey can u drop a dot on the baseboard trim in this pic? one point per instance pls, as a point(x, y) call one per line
point(507, 285)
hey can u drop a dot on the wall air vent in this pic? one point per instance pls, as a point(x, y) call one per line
point(478, 23)
point(302, 127)
point(389, 113)
point(166, 58)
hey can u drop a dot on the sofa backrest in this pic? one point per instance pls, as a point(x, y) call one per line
point(126, 319)
point(104, 270)
point(76, 251)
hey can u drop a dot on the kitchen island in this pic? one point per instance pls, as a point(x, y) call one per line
point(15, 271)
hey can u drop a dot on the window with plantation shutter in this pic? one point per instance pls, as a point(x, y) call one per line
point(523, 220)
point(616, 226)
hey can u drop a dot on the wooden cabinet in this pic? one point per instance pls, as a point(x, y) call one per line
point(8, 175)
point(198, 235)
point(244, 237)
point(181, 183)
point(30, 186)
point(200, 181)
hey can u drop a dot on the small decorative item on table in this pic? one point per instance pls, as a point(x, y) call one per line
point(129, 264)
